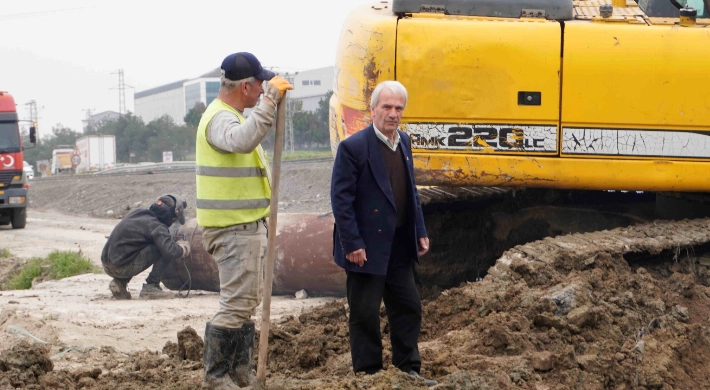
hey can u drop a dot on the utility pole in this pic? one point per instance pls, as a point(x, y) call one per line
point(32, 106)
point(89, 112)
point(121, 92)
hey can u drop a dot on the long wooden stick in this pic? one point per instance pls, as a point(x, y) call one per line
point(271, 245)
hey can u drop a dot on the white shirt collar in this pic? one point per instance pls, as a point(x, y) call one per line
point(383, 138)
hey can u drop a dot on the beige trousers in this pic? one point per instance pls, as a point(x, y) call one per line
point(239, 251)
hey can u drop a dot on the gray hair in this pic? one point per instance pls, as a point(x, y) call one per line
point(394, 86)
point(229, 85)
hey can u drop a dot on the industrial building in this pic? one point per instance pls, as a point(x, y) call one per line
point(177, 98)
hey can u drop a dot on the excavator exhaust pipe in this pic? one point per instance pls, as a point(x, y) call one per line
point(304, 259)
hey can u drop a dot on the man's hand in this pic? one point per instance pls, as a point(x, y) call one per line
point(423, 245)
point(185, 247)
point(275, 89)
point(358, 257)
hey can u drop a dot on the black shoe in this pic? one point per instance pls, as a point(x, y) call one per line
point(429, 382)
point(118, 288)
point(153, 291)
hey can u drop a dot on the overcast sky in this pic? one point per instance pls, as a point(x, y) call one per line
point(62, 53)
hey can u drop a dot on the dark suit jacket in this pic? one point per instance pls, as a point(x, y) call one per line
point(363, 203)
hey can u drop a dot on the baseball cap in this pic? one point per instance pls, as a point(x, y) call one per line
point(242, 65)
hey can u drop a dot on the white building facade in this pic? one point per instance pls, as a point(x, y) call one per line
point(310, 86)
point(178, 98)
point(167, 99)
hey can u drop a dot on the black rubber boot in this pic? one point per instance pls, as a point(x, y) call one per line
point(242, 370)
point(218, 355)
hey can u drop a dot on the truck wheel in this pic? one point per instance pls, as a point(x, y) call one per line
point(19, 218)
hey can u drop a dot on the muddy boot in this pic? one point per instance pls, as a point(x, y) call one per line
point(218, 353)
point(118, 288)
point(153, 291)
point(242, 371)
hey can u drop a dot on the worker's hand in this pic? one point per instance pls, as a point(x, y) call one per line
point(185, 247)
point(275, 89)
point(423, 245)
point(358, 257)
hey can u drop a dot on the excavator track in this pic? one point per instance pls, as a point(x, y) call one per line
point(657, 239)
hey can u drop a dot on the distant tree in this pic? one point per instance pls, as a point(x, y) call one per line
point(311, 127)
point(323, 110)
point(195, 114)
point(60, 136)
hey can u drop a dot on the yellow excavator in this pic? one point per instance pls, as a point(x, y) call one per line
point(528, 119)
point(533, 118)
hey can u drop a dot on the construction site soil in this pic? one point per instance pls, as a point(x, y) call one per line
point(627, 308)
point(305, 187)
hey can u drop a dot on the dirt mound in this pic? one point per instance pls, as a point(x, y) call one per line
point(28, 366)
point(188, 347)
point(624, 309)
point(574, 312)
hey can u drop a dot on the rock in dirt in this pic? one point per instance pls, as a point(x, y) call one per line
point(23, 365)
point(544, 361)
point(301, 294)
point(190, 345)
point(26, 356)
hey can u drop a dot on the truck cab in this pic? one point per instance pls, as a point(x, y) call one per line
point(13, 179)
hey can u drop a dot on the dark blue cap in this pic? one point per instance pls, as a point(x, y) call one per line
point(243, 65)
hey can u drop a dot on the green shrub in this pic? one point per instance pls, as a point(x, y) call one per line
point(66, 264)
point(5, 253)
point(57, 265)
point(23, 280)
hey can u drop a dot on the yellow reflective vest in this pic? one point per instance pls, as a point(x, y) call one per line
point(232, 188)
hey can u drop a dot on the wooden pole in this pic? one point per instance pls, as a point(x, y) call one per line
point(271, 245)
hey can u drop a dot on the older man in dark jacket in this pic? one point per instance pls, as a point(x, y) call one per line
point(380, 234)
point(140, 240)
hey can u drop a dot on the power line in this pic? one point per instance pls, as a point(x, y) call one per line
point(26, 15)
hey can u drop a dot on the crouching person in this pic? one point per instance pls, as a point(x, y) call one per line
point(140, 240)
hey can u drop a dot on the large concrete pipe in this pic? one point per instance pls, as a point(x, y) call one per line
point(304, 258)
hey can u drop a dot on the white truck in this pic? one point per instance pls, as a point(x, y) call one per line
point(61, 160)
point(96, 153)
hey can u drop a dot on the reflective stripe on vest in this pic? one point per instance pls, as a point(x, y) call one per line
point(232, 204)
point(232, 188)
point(230, 172)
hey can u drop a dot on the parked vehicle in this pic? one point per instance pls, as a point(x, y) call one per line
point(61, 160)
point(29, 170)
point(13, 180)
point(96, 153)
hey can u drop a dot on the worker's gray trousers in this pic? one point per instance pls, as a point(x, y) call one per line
point(239, 252)
point(150, 255)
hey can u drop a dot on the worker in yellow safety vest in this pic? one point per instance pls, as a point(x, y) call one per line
point(233, 194)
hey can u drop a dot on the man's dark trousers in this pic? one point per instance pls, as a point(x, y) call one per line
point(150, 255)
point(404, 312)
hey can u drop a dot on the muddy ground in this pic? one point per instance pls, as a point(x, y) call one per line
point(622, 309)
